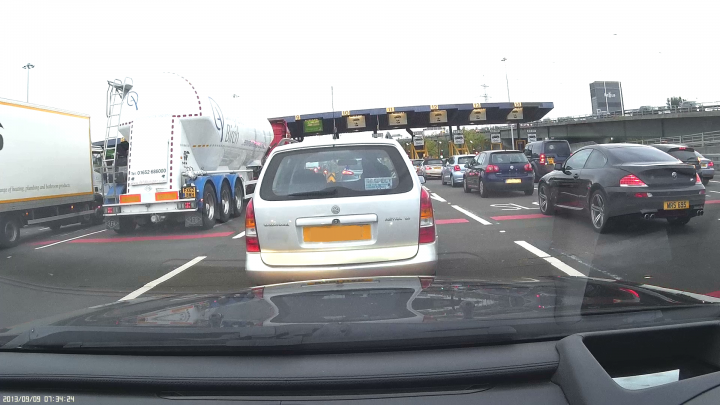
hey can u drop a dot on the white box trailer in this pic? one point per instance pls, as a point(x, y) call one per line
point(46, 169)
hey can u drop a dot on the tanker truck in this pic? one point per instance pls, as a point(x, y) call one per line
point(181, 158)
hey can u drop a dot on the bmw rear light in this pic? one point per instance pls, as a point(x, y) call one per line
point(347, 172)
point(427, 219)
point(456, 168)
point(252, 244)
point(258, 292)
point(426, 282)
point(492, 169)
point(428, 167)
point(631, 181)
point(542, 158)
point(711, 164)
point(643, 195)
point(528, 167)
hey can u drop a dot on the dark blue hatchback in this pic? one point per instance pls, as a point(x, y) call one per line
point(506, 170)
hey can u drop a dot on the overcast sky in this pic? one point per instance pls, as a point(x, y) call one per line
point(282, 57)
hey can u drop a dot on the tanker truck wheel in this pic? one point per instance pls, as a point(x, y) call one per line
point(209, 207)
point(9, 231)
point(239, 200)
point(226, 203)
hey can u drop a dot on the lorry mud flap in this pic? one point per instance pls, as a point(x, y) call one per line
point(193, 219)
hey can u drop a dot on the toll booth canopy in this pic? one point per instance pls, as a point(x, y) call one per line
point(421, 116)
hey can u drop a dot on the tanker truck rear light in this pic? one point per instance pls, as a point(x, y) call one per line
point(167, 196)
point(112, 210)
point(186, 205)
point(129, 198)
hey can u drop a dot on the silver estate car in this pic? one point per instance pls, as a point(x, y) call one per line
point(454, 168)
point(302, 224)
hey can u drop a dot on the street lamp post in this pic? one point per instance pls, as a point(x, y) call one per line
point(507, 86)
point(27, 94)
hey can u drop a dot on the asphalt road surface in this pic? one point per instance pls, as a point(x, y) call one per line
point(503, 236)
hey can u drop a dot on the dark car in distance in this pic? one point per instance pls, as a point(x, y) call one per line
point(615, 180)
point(499, 170)
point(543, 155)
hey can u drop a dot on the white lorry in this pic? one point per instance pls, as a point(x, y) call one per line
point(184, 159)
point(46, 169)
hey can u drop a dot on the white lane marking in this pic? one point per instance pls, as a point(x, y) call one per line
point(714, 181)
point(162, 279)
point(552, 260)
point(437, 197)
point(713, 191)
point(532, 249)
point(42, 229)
point(564, 267)
point(68, 240)
point(471, 215)
point(240, 235)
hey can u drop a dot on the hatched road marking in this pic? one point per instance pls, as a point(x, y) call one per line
point(471, 215)
point(162, 279)
point(565, 268)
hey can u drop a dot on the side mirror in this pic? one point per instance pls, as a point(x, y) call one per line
point(558, 166)
point(422, 179)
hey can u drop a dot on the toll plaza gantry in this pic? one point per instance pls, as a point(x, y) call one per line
point(421, 116)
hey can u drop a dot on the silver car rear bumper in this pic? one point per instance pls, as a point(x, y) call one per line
point(422, 264)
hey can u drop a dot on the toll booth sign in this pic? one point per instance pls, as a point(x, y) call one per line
point(418, 141)
point(516, 114)
point(495, 138)
point(438, 117)
point(478, 114)
point(531, 136)
point(312, 125)
point(397, 118)
point(356, 121)
point(458, 139)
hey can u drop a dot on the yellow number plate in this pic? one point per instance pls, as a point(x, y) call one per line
point(704, 165)
point(336, 233)
point(188, 192)
point(551, 161)
point(677, 205)
point(514, 181)
point(437, 167)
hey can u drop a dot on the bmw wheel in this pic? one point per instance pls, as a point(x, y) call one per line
point(465, 186)
point(599, 212)
point(546, 205)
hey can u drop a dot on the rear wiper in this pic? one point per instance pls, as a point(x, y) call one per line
point(314, 193)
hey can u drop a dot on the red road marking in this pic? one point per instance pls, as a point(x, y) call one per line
point(142, 238)
point(712, 202)
point(450, 221)
point(507, 217)
point(715, 294)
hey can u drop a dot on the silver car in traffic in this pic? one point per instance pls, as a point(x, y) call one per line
point(707, 168)
point(302, 225)
point(454, 168)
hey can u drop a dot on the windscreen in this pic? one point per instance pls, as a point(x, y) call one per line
point(642, 154)
point(498, 158)
point(683, 154)
point(271, 144)
point(558, 148)
point(330, 173)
